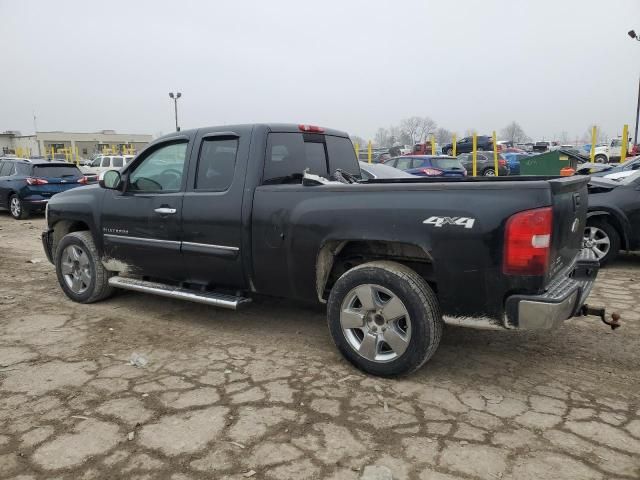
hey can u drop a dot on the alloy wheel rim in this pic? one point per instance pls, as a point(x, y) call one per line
point(15, 207)
point(76, 269)
point(597, 241)
point(375, 323)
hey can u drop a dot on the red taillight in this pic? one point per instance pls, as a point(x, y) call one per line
point(36, 181)
point(82, 180)
point(311, 128)
point(431, 172)
point(527, 242)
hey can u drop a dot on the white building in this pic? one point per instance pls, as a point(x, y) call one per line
point(86, 144)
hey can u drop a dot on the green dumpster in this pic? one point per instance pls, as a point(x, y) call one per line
point(549, 163)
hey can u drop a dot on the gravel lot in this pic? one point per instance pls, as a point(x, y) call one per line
point(262, 393)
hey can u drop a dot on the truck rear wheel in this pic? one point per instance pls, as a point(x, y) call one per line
point(80, 272)
point(384, 318)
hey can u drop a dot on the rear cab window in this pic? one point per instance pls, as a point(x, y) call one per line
point(290, 154)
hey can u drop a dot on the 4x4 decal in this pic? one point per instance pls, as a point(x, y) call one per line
point(465, 222)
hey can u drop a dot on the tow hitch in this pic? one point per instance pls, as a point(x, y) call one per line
point(600, 312)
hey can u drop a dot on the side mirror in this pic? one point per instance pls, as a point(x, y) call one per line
point(110, 179)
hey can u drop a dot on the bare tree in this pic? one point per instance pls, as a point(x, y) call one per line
point(469, 132)
point(514, 133)
point(426, 128)
point(564, 138)
point(443, 136)
point(359, 140)
point(601, 136)
point(382, 138)
point(411, 127)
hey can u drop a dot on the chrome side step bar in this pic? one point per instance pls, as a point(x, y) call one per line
point(208, 298)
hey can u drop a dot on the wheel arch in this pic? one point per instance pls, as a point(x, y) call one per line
point(64, 227)
point(338, 256)
point(615, 222)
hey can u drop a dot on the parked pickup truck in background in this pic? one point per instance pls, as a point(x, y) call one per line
point(217, 214)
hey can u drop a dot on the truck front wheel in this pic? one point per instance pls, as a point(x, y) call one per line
point(80, 272)
point(384, 318)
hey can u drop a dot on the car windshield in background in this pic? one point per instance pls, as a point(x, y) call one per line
point(630, 179)
point(56, 171)
point(446, 163)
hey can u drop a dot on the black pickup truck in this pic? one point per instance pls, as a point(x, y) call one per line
point(217, 214)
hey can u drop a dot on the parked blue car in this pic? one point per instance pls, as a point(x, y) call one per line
point(513, 161)
point(429, 165)
point(27, 185)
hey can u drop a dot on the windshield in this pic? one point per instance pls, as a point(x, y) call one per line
point(447, 163)
point(630, 179)
point(56, 171)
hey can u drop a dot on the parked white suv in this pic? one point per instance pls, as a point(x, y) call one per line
point(103, 163)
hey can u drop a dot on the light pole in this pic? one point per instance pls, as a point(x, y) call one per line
point(634, 36)
point(175, 105)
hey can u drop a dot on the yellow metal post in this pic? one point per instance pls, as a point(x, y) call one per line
point(593, 143)
point(454, 145)
point(474, 154)
point(370, 152)
point(625, 143)
point(433, 144)
point(357, 149)
point(495, 153)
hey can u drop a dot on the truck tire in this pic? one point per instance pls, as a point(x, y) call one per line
point(600, 159)
point(80, 272)
point(384, 318)
point(17, 209)
point(602, 239)
point(489, 172)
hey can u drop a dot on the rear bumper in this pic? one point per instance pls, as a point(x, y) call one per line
point(47, 244)
point(563, 299)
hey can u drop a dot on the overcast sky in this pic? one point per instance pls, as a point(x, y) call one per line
point(553, 66)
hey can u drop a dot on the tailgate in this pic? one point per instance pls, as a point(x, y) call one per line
point(569, 200)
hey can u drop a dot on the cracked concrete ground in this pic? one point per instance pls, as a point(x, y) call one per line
point(264, 390)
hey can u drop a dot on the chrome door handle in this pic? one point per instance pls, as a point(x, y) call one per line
point(165, 211)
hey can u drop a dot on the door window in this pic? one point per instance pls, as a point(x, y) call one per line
point(161, 171)
point(105, 162)
point(4, 168)
point(216, 164)
point(118, 162)
point(404, 163)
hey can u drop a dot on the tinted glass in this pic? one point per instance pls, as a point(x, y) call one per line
point(216, 164)
point(288, 155)
point(118, 162)
point(96, 162)
point(446, 163)
point(4, 168)
point(105, 162)
point(56, 171)
point(22, 169)
point(161, 171)
point(341, 155)
point(404, 163)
